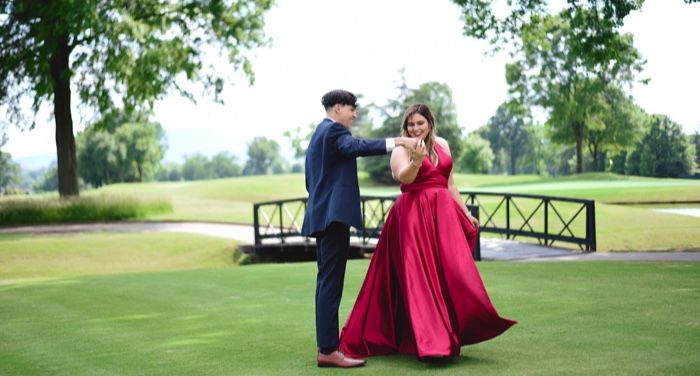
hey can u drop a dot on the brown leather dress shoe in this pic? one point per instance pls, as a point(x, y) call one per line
point(338, 359)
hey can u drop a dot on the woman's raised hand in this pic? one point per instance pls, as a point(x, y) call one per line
point(418, 153)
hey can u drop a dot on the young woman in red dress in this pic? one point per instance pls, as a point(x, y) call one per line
point(423, 294)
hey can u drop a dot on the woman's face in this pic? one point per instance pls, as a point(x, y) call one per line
point(418, 126)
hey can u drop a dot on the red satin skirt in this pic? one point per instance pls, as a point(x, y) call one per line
point(423, 294)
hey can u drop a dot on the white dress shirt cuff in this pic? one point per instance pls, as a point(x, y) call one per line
point(390, 145)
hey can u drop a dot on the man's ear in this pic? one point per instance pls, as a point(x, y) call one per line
point(336, 108)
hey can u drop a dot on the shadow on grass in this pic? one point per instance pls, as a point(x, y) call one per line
point(409, 362)
point(24, 283)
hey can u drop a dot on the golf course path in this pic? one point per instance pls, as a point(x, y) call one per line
point(491, 248)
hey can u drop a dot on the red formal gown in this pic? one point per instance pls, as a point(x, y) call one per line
point(423, 294)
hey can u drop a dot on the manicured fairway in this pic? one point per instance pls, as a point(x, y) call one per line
point(229, 200)
point(26, 257)
point(619, 227)
point(575, 318)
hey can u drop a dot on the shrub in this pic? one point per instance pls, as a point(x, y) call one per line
point(32, 210)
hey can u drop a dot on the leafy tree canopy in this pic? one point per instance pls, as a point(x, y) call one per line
point(501, 22)
point(117, 54)
point(9, 171)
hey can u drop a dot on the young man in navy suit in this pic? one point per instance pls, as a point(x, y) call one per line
point(332, 207)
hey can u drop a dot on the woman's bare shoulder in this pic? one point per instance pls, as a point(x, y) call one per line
point(442, 142)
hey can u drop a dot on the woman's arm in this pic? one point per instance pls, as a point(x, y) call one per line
point(452, 187)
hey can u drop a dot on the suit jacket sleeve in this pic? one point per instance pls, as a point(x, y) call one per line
point(348, 146)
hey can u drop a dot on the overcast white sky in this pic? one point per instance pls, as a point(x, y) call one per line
point(319, 45)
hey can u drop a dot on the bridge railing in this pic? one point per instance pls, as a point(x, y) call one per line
point(282, 220)
point(545, 218)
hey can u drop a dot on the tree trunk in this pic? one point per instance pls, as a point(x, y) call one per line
point(513, 161)
point(578, 134)
point(139, 169)
point(596, 166)
point(65, 141)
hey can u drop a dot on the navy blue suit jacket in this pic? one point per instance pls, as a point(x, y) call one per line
point(331, 177)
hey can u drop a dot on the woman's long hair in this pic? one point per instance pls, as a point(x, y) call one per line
point(428, 115)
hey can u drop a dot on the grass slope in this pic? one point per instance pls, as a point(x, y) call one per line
point(576, 318)
point(53, 256)
point(619, 228)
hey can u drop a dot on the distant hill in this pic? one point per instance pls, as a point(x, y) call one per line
point(35, 162)
point(181, 142)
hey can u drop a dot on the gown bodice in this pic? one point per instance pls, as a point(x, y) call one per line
point(431, 175)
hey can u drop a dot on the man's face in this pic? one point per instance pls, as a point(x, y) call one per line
point(345, 114)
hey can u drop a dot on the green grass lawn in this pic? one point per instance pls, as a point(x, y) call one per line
point(602, 187)
point(26, 257)
point(619, 227)
point(220, 200)
point(230, 200)
point(575, 318)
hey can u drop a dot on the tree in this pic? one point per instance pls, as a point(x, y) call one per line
point(30, 178)
point(477, 156)
point(664, 151)
point(144, 149)
point(9, 171)
point(196, 167)
point(199, 167)
point(3, 135)
point(555, 72)
point(693, 156)
point(438, 96)
point(116, 53)
point(363, 125)
point(224, 165)
point(695, 140)
point(299, 139)
point(615, 126)
point(169, 172)
point(500, 23)
point(542, 157)
point(98, 155)
point(263, 157)
point(110, 152)
point(506, 132)
point(48, 182)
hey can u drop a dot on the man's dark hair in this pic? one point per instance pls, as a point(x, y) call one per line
point(334, 97)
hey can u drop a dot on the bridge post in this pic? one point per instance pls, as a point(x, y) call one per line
point(256, 226)
point(591, 245)
point(508, 216)
point(546, 221)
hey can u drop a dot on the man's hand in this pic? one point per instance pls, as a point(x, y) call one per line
point(407, 142)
